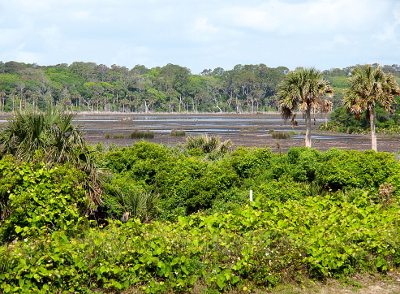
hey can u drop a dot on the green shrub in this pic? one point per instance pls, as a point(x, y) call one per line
point(303, 163)
point(250, 162)
point(125, 159)
point(353, 169)
point(189, 185)
point(281, 190)
point(37, 201)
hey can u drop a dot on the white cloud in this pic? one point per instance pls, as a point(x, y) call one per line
point(391, 28)
point(198, 35)
point(309, 17)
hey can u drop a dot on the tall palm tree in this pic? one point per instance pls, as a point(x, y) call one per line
point(370, 86)
point(304, 89)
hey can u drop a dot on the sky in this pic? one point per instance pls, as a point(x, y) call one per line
point(202, 34)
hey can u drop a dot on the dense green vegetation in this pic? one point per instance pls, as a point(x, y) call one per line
point(340, 120)
point(157, 219)
point(170, 88)
point(315, 215)
point(370, 92)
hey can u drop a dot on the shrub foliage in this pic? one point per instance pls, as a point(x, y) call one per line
point(315, 215)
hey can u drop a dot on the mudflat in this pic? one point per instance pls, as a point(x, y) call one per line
point(245, 130)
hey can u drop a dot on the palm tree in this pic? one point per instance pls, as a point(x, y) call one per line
point(306, 88)
point(50, 132)
point(52, 138)
point(208, 144)
point(370, 86)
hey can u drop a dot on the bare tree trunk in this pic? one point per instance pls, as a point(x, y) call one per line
point(308, 127)
point(374, 144)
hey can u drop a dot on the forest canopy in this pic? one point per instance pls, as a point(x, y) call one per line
point(87, 86)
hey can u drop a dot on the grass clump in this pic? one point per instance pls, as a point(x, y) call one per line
point(280, 135)
point(178, 133)
point(119, 136)
point(136, 134)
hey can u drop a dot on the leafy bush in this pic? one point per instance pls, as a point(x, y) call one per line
point(37, 201)
point(254, 248)
point(140, 154)
point(248, 163)
point(281, 190)
point(189, 185)
point(354, 169)
point(303, 163)
point(315, 215)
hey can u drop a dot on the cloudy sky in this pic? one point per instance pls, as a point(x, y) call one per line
point(201, 34)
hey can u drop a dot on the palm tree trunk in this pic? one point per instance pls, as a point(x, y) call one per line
point(308, 127)
point(374, 144)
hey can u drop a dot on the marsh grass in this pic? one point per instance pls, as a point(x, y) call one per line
point(280, 135)
point(137, 134)
point(119, 136)
point(178, 133)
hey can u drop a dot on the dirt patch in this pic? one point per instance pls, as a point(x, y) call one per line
point(365, 284)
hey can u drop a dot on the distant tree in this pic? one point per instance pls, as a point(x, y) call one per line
point(370, 86)
point(304, 88)
point(206, 72)
point(218, 71)
point(283, 69)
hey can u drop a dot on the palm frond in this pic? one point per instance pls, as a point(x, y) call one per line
point(302, 89)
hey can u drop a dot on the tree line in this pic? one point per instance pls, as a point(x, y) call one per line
point(87, 86)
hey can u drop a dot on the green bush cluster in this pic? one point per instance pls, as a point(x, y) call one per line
point(251, 249)
point(185, 184)
point(315, 215)
point(36, 201)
